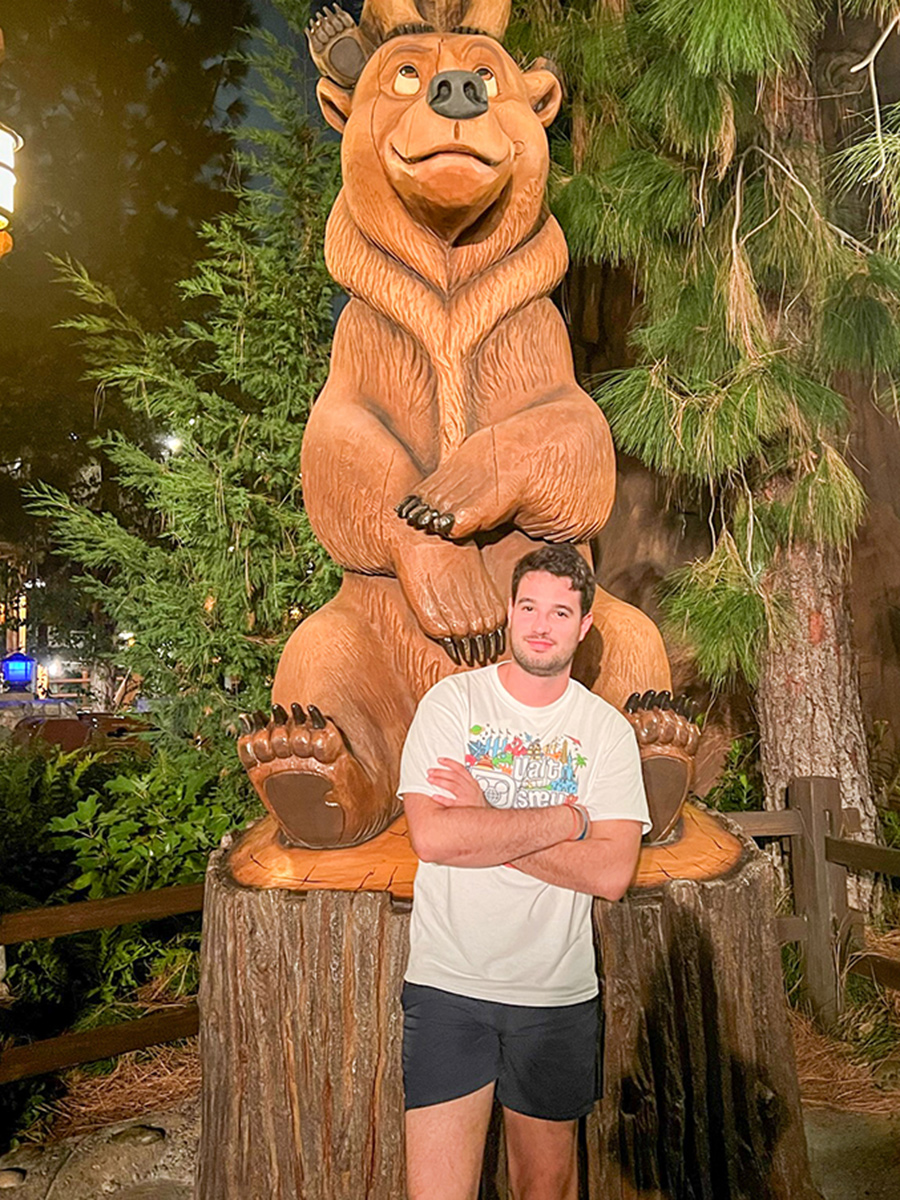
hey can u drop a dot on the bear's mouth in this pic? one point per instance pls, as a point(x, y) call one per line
point(465, 151)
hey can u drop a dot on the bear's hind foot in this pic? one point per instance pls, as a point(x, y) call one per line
point(668, 738)
point(308, 778)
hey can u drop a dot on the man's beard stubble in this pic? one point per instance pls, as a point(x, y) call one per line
point(542, 667)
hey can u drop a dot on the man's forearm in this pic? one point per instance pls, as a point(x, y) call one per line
point(598, 866)
point(458, 836)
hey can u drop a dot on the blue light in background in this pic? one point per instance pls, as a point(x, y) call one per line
point(18, 669)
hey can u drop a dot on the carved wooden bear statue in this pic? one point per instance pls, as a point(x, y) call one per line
point(451, 434)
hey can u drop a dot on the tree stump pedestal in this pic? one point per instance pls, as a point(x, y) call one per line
point(301, 1028)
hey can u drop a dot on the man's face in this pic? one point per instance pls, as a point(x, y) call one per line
point(545, 624)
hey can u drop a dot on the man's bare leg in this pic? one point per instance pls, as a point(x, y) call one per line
point(542, 1156)
point(445, 1147)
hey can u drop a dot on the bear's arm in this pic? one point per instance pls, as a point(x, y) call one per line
point(355, 468)
point(543, 456)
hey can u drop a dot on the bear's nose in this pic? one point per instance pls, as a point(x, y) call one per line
point(459, 95)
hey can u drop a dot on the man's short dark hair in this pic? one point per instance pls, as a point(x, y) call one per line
point(565, 563)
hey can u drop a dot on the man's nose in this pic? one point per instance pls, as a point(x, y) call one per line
point(459, 95)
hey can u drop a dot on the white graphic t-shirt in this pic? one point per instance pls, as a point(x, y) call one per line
point(495, 933)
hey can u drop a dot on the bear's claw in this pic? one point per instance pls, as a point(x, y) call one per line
point(415, 512)
point(479, 649)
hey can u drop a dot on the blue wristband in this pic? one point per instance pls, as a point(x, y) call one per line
point(585, 823)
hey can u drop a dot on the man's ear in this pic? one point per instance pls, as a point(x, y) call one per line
point(545, 93)
point(586, 622)
point(335, 103)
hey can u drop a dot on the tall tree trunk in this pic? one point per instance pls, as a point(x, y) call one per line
point(810, 714)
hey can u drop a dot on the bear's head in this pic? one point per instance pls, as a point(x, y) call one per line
point(447, 130)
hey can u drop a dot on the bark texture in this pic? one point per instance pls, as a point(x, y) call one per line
point(701, 1100)
point(300, 1044)
point(301, 1028)
point(810, 714)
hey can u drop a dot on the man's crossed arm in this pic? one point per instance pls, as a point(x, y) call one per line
point(457, 827)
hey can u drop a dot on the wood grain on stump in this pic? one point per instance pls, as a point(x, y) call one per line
point(301, 1033)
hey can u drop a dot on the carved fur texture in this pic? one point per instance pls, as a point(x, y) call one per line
point(451, 434)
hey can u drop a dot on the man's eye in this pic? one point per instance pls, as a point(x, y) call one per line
point(490, 81)
point(406, 81)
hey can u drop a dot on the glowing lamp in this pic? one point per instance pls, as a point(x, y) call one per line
point(18, 670)
point(10, 144)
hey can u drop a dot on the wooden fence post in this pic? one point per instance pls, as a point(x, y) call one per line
point(820, 891)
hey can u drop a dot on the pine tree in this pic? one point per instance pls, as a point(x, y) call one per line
point(214, 562)
point(692, 154)
point(125, 155)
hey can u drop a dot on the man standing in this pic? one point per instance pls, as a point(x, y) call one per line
point(524, 798)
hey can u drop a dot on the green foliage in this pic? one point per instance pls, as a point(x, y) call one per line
point(756, 37)
point(691, 158)
point(825, 504)
point(110, 828)
point(35, 788)
point(723, 613)
point(740, 786)
point(151, 828)
point(616, 215)
point(872, 165)
point(87, 826)
point(702, 433)
point(215, 562)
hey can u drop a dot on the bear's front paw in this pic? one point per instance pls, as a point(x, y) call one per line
point(337, 47)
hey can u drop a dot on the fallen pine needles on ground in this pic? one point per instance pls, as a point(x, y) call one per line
point(830, 1077)
point(154, 1080)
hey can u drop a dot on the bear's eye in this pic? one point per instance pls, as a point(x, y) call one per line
point(407, 82)
point(490, 81)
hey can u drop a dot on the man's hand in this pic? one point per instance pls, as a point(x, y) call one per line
point(451, 776)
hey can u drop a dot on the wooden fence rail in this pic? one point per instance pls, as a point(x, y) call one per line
point(34, 924)
point(814, 823)
point(90, 1045)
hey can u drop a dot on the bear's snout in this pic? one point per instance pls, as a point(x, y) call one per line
point(458, 95)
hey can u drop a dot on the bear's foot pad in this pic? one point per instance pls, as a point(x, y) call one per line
point(668, 737)
point(337, 46)
point(308, 778)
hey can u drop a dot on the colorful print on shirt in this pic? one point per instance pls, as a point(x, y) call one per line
point(519, 771)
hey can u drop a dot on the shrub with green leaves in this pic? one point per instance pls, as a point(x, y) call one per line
point(82, 826)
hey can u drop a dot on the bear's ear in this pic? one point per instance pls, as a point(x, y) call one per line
point(545, 92)
point(335, 103)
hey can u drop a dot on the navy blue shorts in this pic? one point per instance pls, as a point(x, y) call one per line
point(544, 1060)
